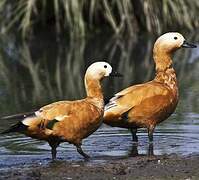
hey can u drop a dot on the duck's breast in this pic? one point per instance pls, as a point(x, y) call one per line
point(153, 110)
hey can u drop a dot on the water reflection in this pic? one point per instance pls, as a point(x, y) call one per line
point(41, 71)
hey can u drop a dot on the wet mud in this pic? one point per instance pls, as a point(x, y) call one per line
point(140, 167)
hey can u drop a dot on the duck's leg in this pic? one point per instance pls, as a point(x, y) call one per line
point(134, 136)
point(134, 150)
point(80, 151)
point(53, 146)
point(150, 150)
point(150, 133)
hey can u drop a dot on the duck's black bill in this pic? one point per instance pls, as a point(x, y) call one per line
point(188, 45)
point(116, 74)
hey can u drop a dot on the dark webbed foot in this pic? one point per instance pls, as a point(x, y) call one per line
point(80, 151)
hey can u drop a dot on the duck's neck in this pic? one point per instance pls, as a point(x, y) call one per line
point(164, 71)
point(162, 59)
point(94, 91)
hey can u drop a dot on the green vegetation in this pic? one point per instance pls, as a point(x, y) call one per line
point(77, 18)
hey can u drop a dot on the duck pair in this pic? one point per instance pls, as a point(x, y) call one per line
point(144, 105)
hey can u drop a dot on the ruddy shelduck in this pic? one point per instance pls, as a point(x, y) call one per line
point(146, 105)
point(68, 121)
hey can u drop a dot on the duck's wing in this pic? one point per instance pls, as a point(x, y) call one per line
point(130, 97)
point(57, 110)
point(114, 101)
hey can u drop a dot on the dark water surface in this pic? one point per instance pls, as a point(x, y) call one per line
point(41, 71)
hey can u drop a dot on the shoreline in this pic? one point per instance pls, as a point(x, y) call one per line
point(139, 167)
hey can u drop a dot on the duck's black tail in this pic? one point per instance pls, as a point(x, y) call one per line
point(18, 127)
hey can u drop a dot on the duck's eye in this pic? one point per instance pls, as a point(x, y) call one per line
point(175, 38)
point(105, 66)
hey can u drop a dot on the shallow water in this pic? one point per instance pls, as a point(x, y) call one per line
point(42, 71)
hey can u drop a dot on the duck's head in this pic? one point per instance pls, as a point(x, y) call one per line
point(165, 45)
point(170, 42)
point(101, 69)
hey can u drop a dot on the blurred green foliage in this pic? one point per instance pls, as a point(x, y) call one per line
point(78, 18)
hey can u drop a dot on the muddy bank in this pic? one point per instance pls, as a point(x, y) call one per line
point(141, 167)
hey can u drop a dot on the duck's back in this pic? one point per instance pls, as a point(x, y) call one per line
point(140, 105)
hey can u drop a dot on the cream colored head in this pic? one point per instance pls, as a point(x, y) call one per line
point(165, 45)
point(169, 42)
point(98, 70)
